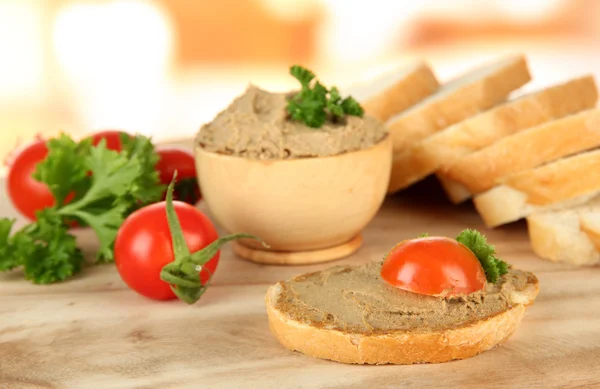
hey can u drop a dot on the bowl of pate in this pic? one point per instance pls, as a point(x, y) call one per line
point(307, 192)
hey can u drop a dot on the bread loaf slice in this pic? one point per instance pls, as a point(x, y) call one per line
point(481, 170)
point(453, 102)
point(570, 235)
point(558, 185)
point(442, 149)
point(394, 91)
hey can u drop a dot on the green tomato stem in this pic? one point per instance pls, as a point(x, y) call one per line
point(203, 256)
point(180, 249)
point(173, 279)
point(183, 274)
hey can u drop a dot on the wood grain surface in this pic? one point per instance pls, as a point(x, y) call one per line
point(93, 332)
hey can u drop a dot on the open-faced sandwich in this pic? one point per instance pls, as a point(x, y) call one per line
point(432, 299)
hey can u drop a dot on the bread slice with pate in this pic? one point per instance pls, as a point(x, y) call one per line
point(352, 315)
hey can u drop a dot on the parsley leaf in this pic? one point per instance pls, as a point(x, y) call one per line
point(110, 196)
point(63, 169)
point(309, 110)
point(11, 249)
point(333, 105)
point(45, 249)
point(352, 107)
point(303, 75)
point(314, 104)
point(486, 253)
point(112, 173)
point(106, 225)
point(146, 188)
point(53, 255)
point(121, 183)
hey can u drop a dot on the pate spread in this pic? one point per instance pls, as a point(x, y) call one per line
point(356, 299)
point(256, 126)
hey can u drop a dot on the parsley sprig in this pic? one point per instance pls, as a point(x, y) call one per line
point(485, 252)
point(94, 186)
point(315, 104)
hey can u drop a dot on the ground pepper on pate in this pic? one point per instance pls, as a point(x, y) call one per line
point(356, 299)
point(256, 126)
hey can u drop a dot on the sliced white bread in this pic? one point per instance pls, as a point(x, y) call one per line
point(481, 170)
point(570, 235)
point(558, 185)
point(394, 90)
point(455, 101)
point(442, 149)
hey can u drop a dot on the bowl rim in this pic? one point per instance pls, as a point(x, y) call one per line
point(198, 148)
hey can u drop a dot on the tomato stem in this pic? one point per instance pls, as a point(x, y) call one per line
point(203, 256)
point(169, 277)
point(183, 274)
point(180, 249)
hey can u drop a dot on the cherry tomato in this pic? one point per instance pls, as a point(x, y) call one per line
point(143, 246)
point(433, 266)
point(174, 159)
point(26, 193)
point(113, 139)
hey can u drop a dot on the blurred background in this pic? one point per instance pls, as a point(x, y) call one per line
point(163, 68)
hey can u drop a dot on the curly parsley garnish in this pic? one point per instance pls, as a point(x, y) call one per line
point(315, 104)
point(485, 252)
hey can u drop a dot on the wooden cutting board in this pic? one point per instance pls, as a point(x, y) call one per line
point(93, 332)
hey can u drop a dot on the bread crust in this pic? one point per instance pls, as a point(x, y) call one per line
point(463, 100)
point(401, 347)
point(554, 186)
point(483, 169)
point(406, 92)
point(444, 148)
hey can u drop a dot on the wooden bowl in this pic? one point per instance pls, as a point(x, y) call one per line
point(308, 210)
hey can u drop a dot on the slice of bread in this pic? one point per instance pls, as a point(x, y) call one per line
point(445, 147)
point(570, 235)
point(558, 185)
point(418, 345)
point(481, 170)
point(394, 90)
point(455, 101)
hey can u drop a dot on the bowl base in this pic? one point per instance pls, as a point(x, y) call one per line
point(298, 257)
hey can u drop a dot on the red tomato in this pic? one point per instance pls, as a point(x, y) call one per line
point(174, 159)
point(113, 139)
point(433, 266)
point(27, 194)
point(143, 246)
